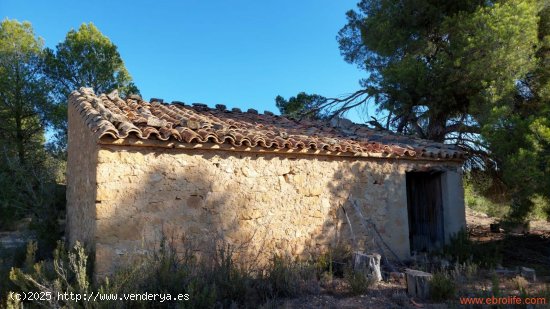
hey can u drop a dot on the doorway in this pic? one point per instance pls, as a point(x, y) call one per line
point(425, 210)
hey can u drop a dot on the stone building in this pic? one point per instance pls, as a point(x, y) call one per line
point(140, 171)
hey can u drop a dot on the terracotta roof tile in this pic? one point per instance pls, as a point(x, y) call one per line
point(109, 115)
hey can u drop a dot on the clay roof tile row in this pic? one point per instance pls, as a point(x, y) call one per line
point(109, 115)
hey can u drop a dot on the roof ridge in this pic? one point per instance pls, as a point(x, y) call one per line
point(220, 107)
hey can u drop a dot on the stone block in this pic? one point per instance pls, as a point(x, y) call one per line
point(368, 263)
point(104, 210)
point(418, 283)
point(104, 257)
point(195, 201)
point(122, 229)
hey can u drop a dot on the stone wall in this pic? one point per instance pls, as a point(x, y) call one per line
point(81, 181)
point(261, 203)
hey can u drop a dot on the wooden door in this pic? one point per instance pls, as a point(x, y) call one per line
point(425, 209)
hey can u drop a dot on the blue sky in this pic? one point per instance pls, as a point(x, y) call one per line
point(239, 53)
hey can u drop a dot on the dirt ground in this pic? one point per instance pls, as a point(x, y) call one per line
point(531, 249)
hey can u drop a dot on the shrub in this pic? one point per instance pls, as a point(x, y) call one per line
point(215, 281)
point(520, 283)
point(282, 277)
point(545, 293)
point(462, 249)
point(287, 278)
point(484, 194)
point(541, 208)
point(212, 281)
point(466, 270)
point(442, 286)
point(333, 262)
point(33, 190)
point(67, 272)
point(232, 282)
point(358, 282)
point(9, 257)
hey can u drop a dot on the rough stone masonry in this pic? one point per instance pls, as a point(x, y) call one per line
point(123, 198)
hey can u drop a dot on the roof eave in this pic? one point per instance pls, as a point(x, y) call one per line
point(171, 144)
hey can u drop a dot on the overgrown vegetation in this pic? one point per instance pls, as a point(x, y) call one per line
point(34, 190)
point(34, 85)
point(442, 286)
point(213, 278)
point(495, 56)
point(359, 283)
point(67, 272)
point(462, 249)
point(485, 194)
point(488, 195)
point(210, 280)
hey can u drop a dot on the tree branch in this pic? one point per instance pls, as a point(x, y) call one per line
point(462, 128)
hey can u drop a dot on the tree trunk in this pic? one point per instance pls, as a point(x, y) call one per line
point(418, 283)
point(19, 118)
point(436, 128)
point(369, 263)
point(19, 140)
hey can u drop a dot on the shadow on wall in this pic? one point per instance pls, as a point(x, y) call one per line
point(145, 196)
point(261, 205)
point(369, 198)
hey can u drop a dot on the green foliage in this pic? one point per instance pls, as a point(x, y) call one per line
point(302, 105)
point(436, 67)
point(27, 172)
point(488, 195)
point(473, 73)
point(66, 273)
point(482, 204)
point(461, 249)
point(518, 129)
point(164, 271)
point(541, 207)
point(86, 58)
point(522, 152)
point(464, 271)
point(24, 100)
point(442, 286)
point(216, 281)
point(9, 257)
point(333, 262)
point(13, 303)
point(520, 137)
point(33, 191)
point(545, 293)
point(485, 194)
point(284, 277)
point(358, 282)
